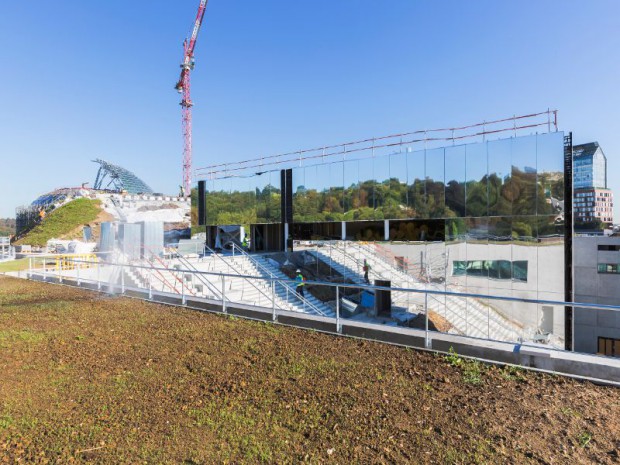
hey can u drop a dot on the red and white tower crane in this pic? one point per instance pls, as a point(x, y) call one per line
point(183, 87)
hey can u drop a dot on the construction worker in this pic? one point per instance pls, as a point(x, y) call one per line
point(366, 269)
point(301, 282)
point(244, 242)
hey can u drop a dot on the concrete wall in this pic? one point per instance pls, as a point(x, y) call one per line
point(590, 286)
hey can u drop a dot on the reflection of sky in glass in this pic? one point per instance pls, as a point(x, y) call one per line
point(382, 169)
point(398, 167)
point(415, 166)
point(476, 161)
point(455, 164)
point(499, 158)
point(434, 163)
point(550, 149)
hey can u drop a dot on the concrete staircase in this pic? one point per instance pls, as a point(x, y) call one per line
point(240, 288)
point(467, 315)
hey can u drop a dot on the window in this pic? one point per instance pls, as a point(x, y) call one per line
point(613, 268)
point(609, 347)
point(494, 269)
point(609, 247)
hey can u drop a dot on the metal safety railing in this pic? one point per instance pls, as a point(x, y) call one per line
point(304, 301)
point(98, 272)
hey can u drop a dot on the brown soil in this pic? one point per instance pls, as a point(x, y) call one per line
point(92, 379)
point(95, 225)
point(436, 322)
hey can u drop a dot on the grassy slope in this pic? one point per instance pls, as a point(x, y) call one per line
point(14, 265)
point(63, 221)
point(90, 379)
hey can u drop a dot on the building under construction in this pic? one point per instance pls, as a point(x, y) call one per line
point(110, 178)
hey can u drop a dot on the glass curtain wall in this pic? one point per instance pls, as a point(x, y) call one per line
point(498, 204)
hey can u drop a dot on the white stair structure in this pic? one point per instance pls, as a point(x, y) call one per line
point(182, 275)
point(468, 316)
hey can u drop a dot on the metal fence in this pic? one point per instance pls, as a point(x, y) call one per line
point(270, 297)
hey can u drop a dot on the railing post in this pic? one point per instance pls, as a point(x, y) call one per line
point(98, 277)
point(78, 275)
point(183, 288)
point(122, 279)
point(427, 342)
point(29, 267)
point(150, 289)
point(59, 267)
point(338, 328)
point(488, 322)
point(223, 294)
point(44, 270)
point(466, 312)
point(273, 300)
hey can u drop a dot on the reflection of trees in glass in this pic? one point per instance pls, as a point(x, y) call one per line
point(519, 193)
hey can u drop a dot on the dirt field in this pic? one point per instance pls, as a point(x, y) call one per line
point(92, 379)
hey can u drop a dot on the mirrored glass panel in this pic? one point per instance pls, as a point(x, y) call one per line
point(309, 202)
point(397, 204)
point(366, 189)
point(455, 181)
point(550, 174)
point(416, 177)
point(300, 194)
point(352, 204)
point(217, 200)
point(435, 178)
point(381, 169)
point(456, 232)
point(476, 188)
point(499, 256)
point(522, 187)
point(500, 170)
point(477, 252)
point(268, 197)
point(334, 193)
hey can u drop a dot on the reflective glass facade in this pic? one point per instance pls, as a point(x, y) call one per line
point(590, 167)
point(510, 178)
point(497, 204)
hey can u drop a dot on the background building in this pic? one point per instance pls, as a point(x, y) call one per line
point(597, 280)
point(593, 203)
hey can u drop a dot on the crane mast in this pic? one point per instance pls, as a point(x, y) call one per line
point(183, 86)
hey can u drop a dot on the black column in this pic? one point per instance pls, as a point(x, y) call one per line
point(568, 240)
point(202, 208)
point(286, 204)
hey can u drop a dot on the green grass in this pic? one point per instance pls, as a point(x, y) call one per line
point(63, 221)
point(14, 265)
point(8, 338)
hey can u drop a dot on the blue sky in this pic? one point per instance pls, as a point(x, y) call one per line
point(81, 80)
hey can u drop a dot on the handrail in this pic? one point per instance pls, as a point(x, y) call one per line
point(272, 298)
point(271, 275)
point(216, 292)
point(173, 274)
point(383, 288)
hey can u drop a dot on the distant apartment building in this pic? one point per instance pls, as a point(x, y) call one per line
point(593, 200)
